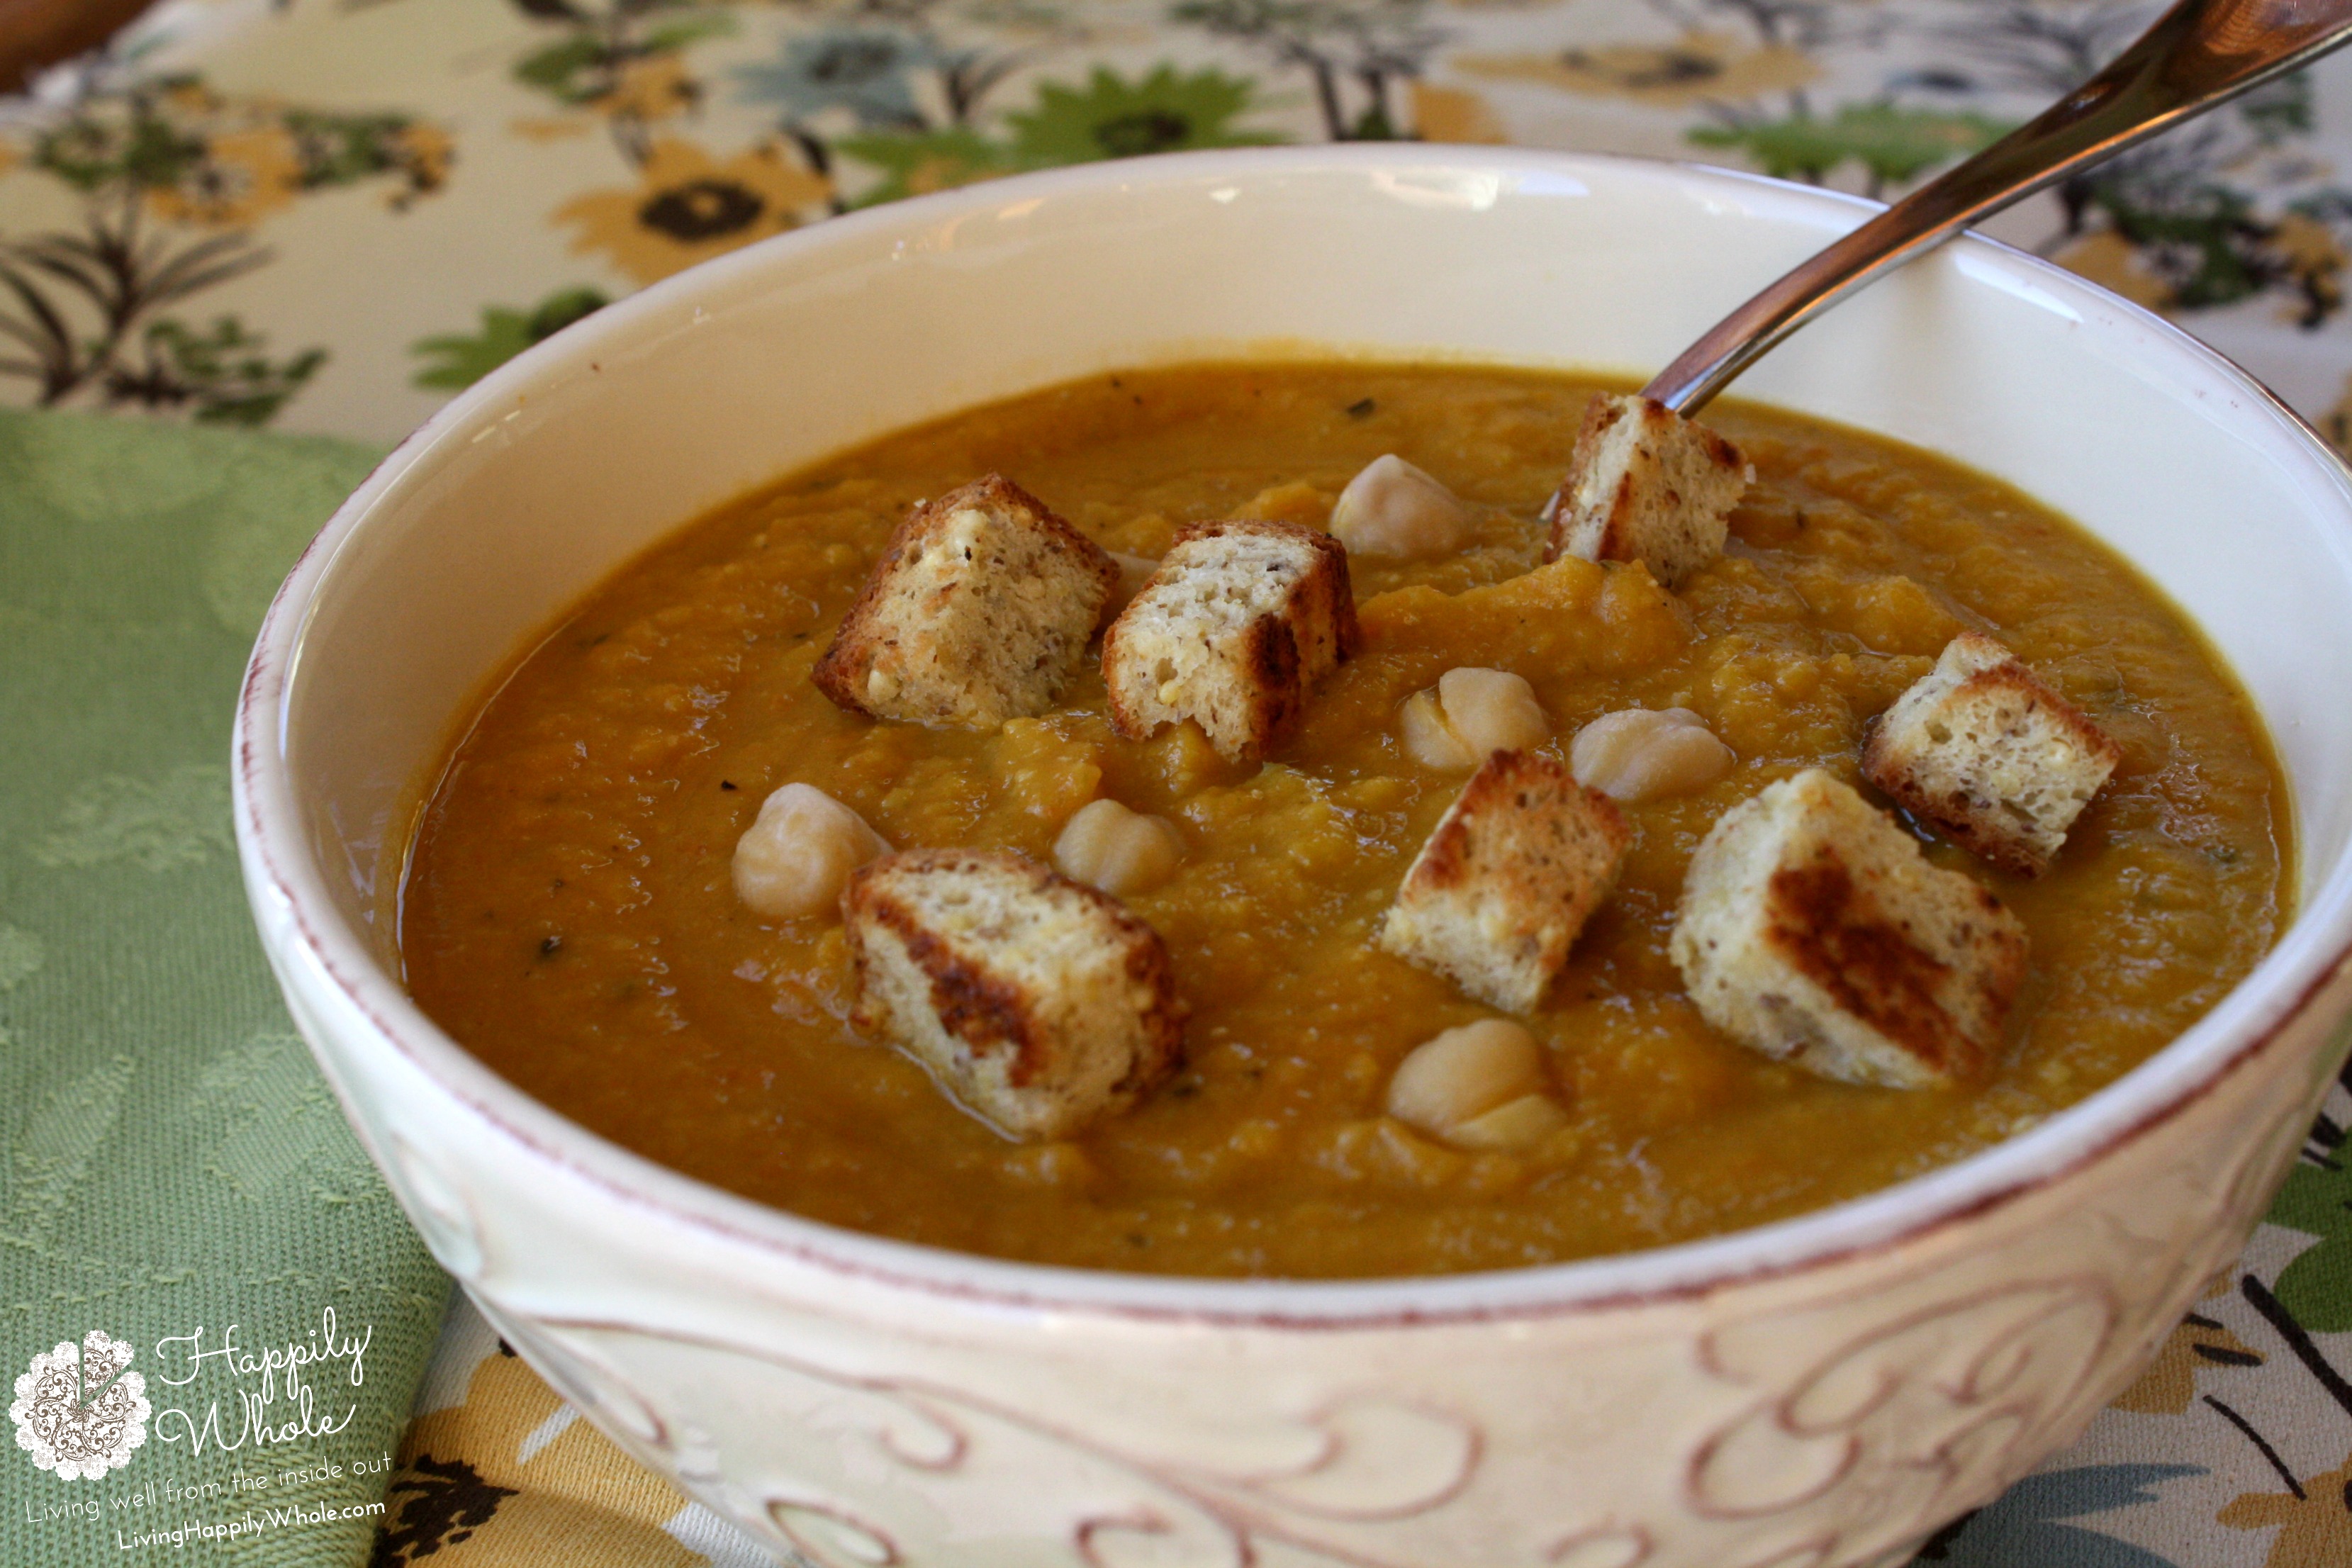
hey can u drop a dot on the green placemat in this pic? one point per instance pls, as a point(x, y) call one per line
point(212, 1317)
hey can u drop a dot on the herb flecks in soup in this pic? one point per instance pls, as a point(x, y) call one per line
point(572, 915)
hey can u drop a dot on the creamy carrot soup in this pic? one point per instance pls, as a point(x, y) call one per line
point(569, 914)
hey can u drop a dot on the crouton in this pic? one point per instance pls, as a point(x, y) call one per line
point(1980, 748)
point(978, 611)
point(1514, 867)
point(1233, 632)
point(1038, 1002)
point(1814, 930)
point(1646, 484)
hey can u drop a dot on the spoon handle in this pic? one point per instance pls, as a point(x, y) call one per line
point(2199, 54)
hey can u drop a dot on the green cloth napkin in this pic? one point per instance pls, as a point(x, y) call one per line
point(176, 1180)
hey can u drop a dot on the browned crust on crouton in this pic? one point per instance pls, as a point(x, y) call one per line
point(1522, 836)
point(1272, 658)
point(1601, 416)
point(1828, 931)
point(984, 1013)
point(1977, 826)
point(1812, 929)
point(841, 672)
point(1518, 782)
point(984, 1010)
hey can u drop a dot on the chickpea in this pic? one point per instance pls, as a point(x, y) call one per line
point(1478, 1087)
point(1471, 714)
point(1394, 509)
point(1637, 755)
point(795, 857)
point(1122, 852)
point(1519, 1123)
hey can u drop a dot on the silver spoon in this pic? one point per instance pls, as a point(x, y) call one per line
point(2199, 54)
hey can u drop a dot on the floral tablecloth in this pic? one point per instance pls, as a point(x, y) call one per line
point(326, 215)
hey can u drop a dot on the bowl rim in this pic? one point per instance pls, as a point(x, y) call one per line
point(319, 946)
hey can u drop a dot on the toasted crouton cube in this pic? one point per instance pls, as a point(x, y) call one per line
point(1514, 867)
point(1987, 752)
point(978, 611)
point(1646, 484)
point(1814, 930)
point(1233, 632)
point(1037, 1001)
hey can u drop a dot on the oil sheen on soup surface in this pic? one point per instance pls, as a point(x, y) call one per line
point(569, 914)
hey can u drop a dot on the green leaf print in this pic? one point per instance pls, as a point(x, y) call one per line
point(279, 1112)
point(21, 955)
point(220, 373)
point(2317, 1288)
point(55, 1145)
point(131, 142)
point(341, 148)
point(1894, 144)
point(160, 825)
point(1111, 118)
point(914, 165)
point(566, 68)
point(506, 333)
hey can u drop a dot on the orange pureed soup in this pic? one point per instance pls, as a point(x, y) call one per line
point(569, 916)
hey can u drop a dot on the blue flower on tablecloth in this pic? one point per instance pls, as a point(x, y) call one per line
point(2022, 1526)
point(868, 72)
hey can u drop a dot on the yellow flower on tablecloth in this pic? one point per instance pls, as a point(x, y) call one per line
point(651, 89)
point(2315, 1528)
point(552, 127)
point(190, 99)
point(512, 1480)
point(2114, 263)
point(949, 171)
point(2337, 423)
point(1455, 114)
point(688, 206)
point(425, 151)
point(241, 175)
point(1694, 67)
point(2196, 1344)
point(2315, 262)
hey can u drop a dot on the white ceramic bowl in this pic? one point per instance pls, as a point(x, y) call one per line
point(1823, 1391)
